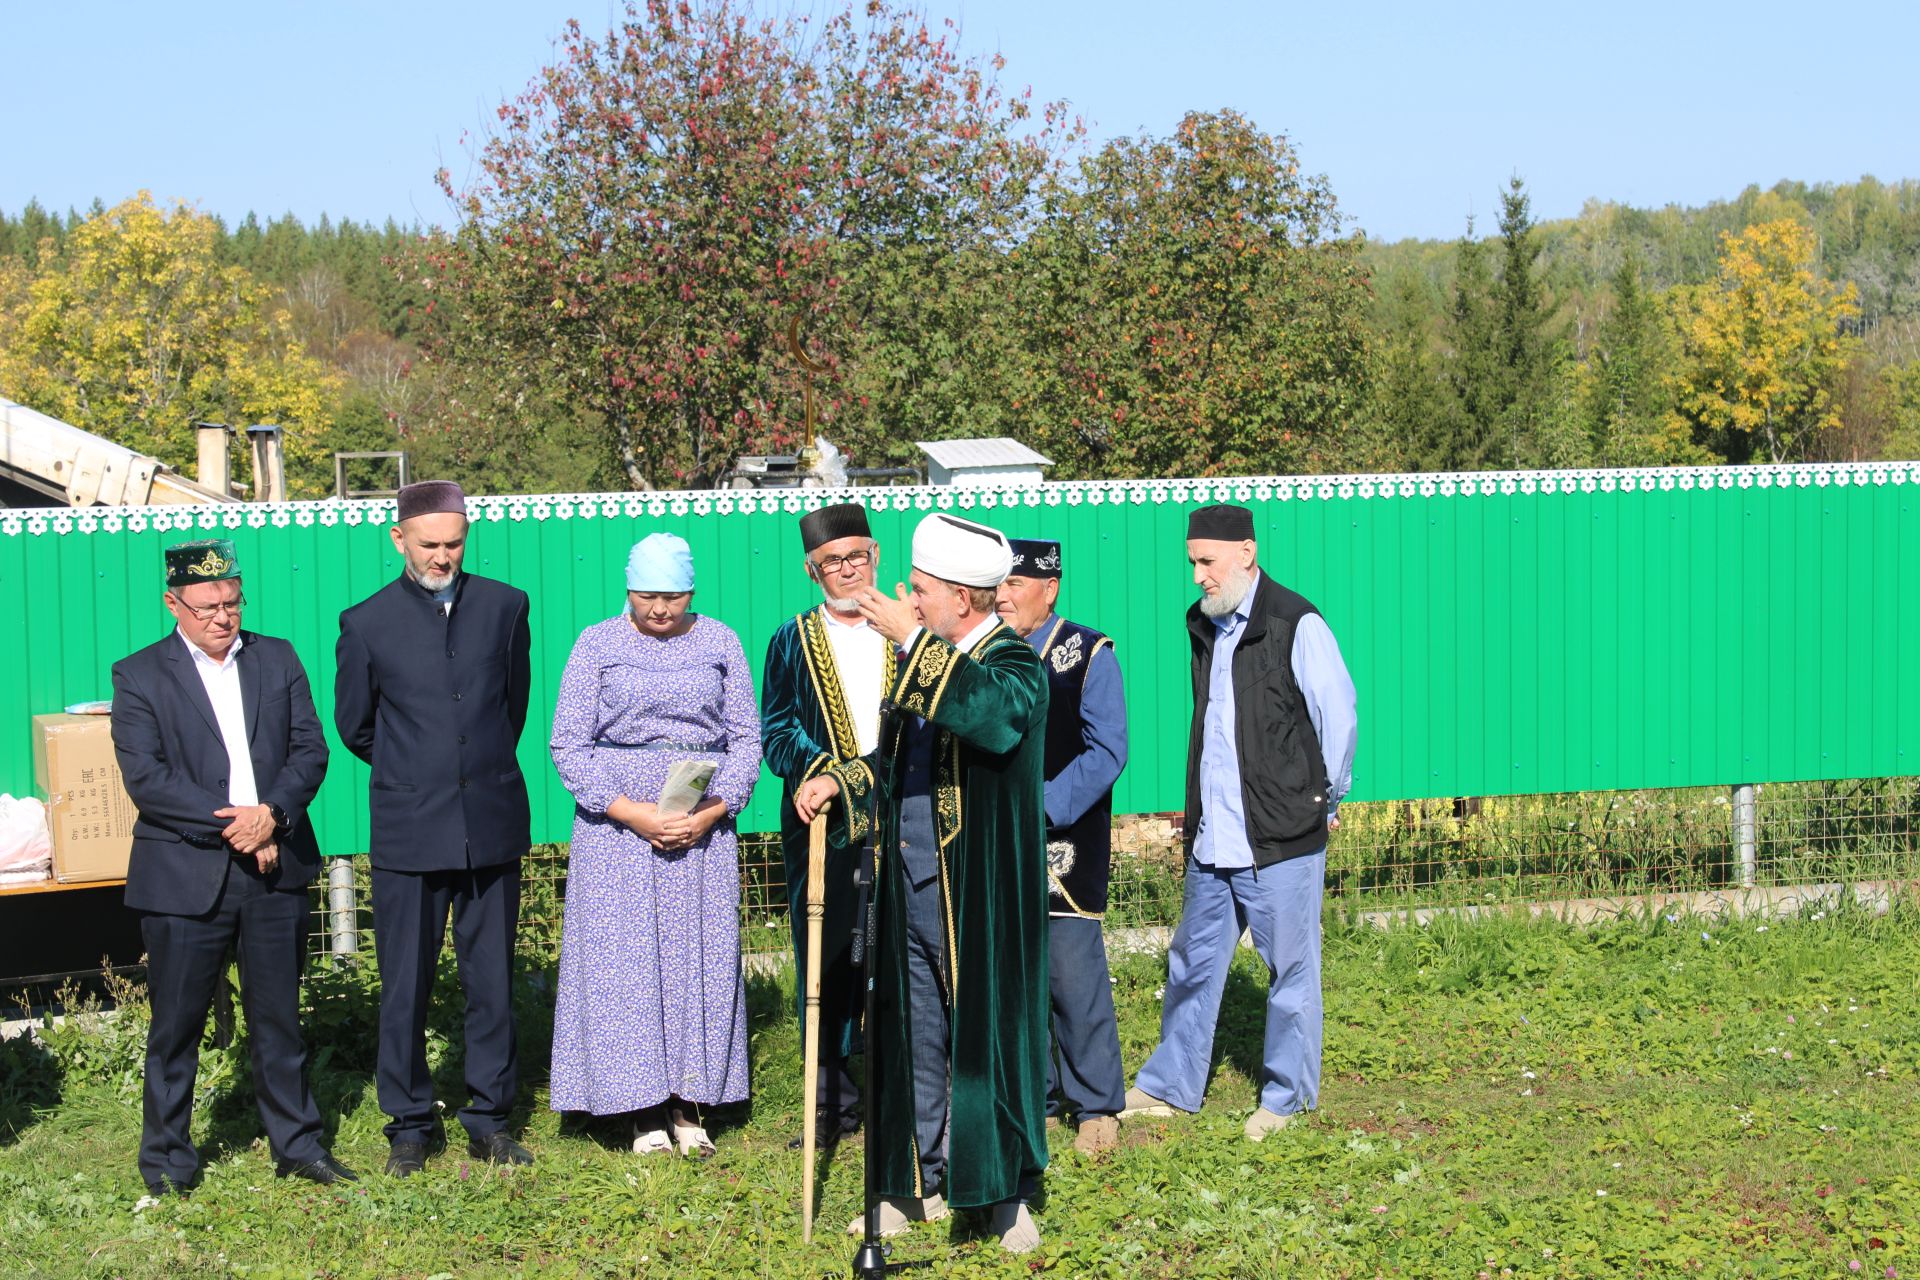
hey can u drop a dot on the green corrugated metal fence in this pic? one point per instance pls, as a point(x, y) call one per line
point(1537, 632)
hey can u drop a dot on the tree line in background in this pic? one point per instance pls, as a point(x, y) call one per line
point(609, 305)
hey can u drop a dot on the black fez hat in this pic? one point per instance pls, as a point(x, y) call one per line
point(1222, 522)
point(209, 561)
point(830, 524)
point(429, 498)
point(1034, 558)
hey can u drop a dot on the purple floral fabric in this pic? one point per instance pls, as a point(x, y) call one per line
point(651, 1001)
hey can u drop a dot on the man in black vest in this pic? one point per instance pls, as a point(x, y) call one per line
point(432, 692)
point(1269, 758)
point(221, 752)
point(1086, 750)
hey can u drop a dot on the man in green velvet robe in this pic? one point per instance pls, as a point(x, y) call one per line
point(960, 1041)
point(820, 692)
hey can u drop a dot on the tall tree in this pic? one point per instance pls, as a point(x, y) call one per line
point(1530, 353)
point(137, 331)
point(1398, 429)
point(1465, 431)
point(662, 201)
point(1624, 388)
point(1191, 306)
point(1762, 347)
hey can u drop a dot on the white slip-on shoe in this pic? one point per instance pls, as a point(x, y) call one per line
point(1142, 1103)
point(690, 1137)
point(1014, 1225)
point(1263, 1122)
point(898, 1214)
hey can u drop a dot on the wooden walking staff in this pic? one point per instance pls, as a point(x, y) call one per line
point(810, 1054)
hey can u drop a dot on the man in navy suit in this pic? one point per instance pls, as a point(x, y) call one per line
point(221, 752)
point(432, 687)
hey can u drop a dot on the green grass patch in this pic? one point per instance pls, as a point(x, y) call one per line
point(1652, 1097)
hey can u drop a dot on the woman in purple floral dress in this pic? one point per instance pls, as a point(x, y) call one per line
point(651, 1016)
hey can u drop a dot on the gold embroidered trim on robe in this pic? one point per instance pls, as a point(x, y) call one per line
point(946, 911)
point(842, 741)
point(922, 679)
point(856, 791)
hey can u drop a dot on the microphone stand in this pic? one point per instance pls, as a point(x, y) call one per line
point(870, 1260)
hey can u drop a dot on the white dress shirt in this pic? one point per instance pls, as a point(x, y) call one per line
point(222, 683)
point(860, 655)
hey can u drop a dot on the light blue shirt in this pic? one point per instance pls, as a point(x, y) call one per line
point(1322, 675)
point(1103, 736)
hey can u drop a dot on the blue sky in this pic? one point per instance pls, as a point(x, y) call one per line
point(1416, 113)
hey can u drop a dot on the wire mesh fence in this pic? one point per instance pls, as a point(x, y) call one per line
point(1407, 854)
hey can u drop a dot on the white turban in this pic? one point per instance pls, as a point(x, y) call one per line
point(961, 551)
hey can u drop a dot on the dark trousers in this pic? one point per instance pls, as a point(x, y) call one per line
point(186, 959)
point(1084, 1068)
point(927, 1011)
point(409, 924)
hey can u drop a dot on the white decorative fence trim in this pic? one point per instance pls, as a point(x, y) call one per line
point(1073, 493)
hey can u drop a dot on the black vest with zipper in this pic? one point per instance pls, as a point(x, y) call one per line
point(1283, 775)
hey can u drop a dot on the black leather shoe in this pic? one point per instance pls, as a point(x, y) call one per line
point(325, 1171)
point(160, 1188)
point(498, 1148)
point(404, 1159)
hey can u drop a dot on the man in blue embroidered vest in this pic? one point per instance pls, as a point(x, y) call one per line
point(820, 705)
point(1086, 750)
point(960, 1041)
point(1269, 757)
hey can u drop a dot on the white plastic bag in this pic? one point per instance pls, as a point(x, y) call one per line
point(25, 842)
point(831, 470)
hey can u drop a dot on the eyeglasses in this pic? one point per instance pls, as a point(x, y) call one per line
point(207, 613)
point(834, 564)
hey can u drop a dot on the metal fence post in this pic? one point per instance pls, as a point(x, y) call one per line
point(1745, 823)
point(340, 906)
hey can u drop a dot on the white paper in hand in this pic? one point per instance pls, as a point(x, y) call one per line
point(686, 784)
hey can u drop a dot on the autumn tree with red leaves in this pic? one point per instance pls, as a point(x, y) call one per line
point(648, 216)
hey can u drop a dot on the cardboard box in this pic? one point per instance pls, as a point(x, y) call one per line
point(88, 809)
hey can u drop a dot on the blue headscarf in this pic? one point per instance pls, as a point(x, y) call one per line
point(661, 562)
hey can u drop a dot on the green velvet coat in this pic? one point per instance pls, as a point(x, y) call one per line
point(990, 709)
point(805, 725)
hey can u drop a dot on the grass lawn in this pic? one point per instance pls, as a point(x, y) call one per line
point(1654, 1097)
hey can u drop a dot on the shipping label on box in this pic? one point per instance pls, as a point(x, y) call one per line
point(88, 809)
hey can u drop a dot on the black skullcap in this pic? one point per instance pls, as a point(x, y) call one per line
point(1222, 522)
point(1035, 558)
point(429, 498)
point(830, 524)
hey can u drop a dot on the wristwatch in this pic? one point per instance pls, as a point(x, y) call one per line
point(281, 822)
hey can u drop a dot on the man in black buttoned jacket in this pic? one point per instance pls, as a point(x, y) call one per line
point(432, 688)
point(221, 752)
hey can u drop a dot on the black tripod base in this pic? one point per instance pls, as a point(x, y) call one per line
point(870, 1263)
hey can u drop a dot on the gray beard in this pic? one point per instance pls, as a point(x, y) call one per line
point(1232, 592)
point(845, 608)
